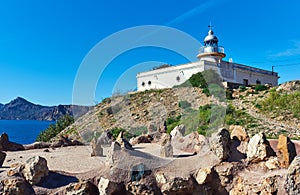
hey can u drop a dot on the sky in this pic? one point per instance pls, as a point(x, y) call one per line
point(44, 44)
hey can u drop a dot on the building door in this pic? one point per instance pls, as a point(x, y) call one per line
point(245, 81)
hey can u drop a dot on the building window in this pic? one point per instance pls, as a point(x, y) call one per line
point(149, 82)
point(143, 84)
point(245, 81)
point(177, 78)
point(258, 82)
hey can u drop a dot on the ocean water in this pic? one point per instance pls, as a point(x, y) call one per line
point(23, 131)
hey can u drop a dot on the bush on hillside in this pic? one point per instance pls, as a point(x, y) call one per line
point(184, 104)
point(260, 88)
point(55, 129)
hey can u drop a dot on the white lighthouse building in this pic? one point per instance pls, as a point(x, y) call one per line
point(210, 57)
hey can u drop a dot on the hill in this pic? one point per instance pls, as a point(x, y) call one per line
point(200, 107)
point(21, 109)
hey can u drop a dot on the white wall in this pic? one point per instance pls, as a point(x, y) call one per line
point(167, 77)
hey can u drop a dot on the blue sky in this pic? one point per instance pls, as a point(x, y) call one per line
point(43, 43)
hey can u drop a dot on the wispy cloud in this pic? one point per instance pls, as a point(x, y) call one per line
point(295, 50)
point(195, 11)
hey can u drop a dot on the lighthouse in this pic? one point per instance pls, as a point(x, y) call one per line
point(211, 51)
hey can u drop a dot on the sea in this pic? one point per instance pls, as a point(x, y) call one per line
point(23, 131)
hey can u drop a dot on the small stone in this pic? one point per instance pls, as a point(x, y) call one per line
point(239, 132)
point(107, 187)
point(16, 186)
point(203, 175)
point(272, 163)
point(81, 188)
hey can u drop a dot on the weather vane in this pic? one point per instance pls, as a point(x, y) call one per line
point(210, 26)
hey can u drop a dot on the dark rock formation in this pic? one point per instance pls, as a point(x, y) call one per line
point(21, 109)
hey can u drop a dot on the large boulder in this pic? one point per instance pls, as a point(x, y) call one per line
point(16, 186)
point(166, 149)
point(220, 143)
point(97, 149)
point(259, 148)
point(286, 151)
point(292, 183)
point(2, 158)
point(81, 188)
point(239, 132)
point(35, 169)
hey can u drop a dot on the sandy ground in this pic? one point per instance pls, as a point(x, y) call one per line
point(76, 159)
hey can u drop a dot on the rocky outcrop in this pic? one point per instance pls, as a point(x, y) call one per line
point(166, 148)
point(64, 141)
point(141, 139)
point(292, 183)
point(35, 169)
point(220, 144)
point(6, 145)
point(259, 148)
point(16, 186)
point(80, 188)
point(239, 132)
point(286, 151)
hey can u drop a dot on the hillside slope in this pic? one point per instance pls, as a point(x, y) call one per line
point(135, 112)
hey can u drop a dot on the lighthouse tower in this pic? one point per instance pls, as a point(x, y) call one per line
point(211, 51)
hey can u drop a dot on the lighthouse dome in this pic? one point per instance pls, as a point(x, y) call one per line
point(211, 37)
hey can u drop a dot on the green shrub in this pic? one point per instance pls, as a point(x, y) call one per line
point(242, 88)
point(55, 129)
point(260, 88)
point(184, 104)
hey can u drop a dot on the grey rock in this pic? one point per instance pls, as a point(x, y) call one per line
point(259, 148)
point(292, 182)
point(220, 143)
